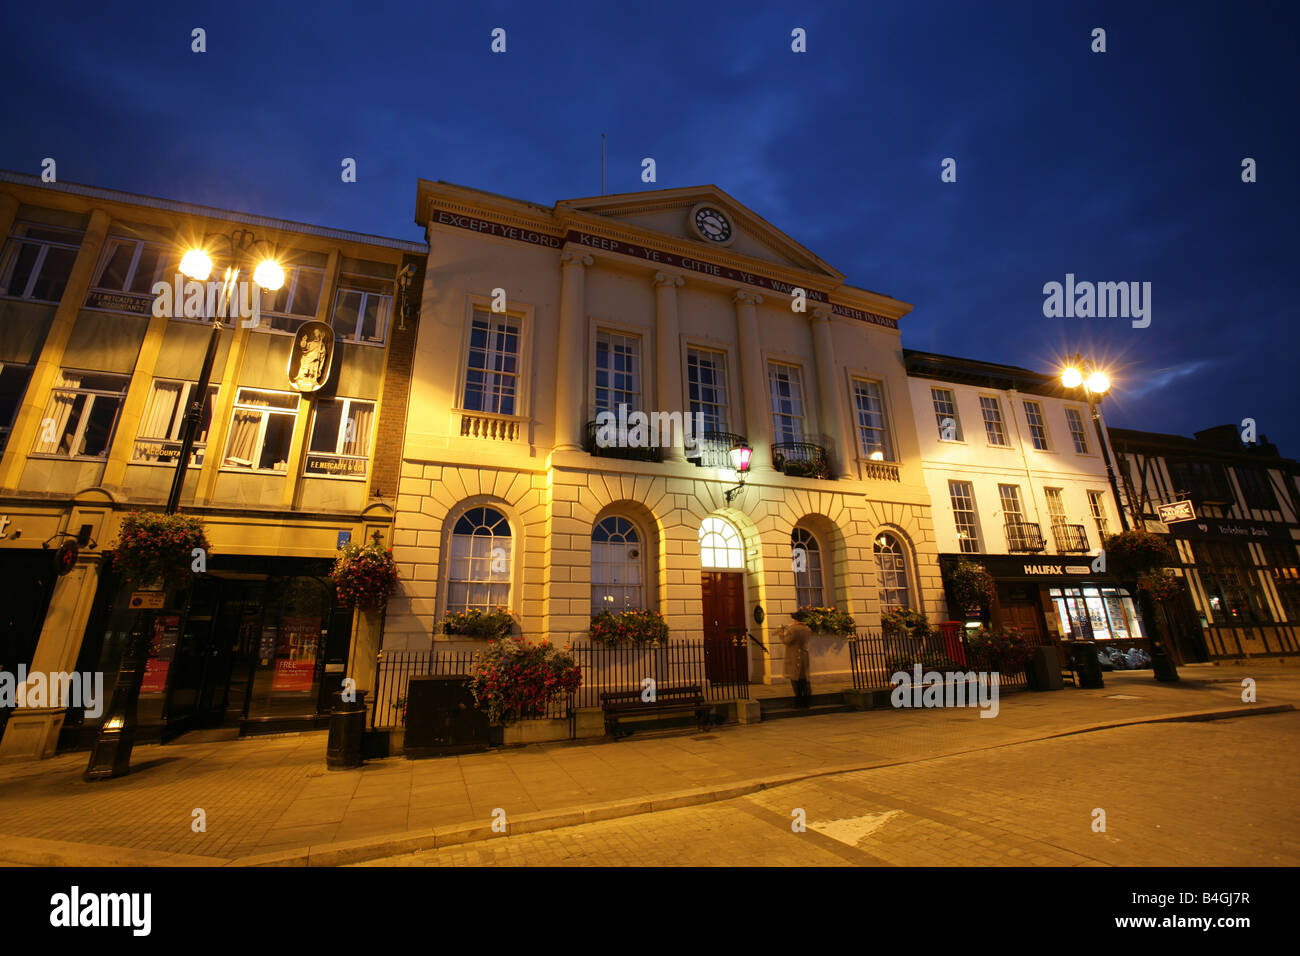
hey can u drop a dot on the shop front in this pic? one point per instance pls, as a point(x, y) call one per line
point(257, 643)
point(1059, 599)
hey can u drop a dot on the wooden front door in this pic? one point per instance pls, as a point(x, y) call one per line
point(1025, 617)
point(725, 643)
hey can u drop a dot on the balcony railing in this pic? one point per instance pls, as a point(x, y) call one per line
point(1070, 538)
point(800, 459)
point(491, 426)
point(713, 449)
point(878, 470)
point(1024, 536)
point(619, 448)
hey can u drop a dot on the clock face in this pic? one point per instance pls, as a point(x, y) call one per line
point(712, 224)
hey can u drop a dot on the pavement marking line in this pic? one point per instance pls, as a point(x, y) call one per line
point(939, 816)
point(850, 854)
point(852, 830)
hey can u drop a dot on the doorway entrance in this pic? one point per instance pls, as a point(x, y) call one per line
point(725, 659)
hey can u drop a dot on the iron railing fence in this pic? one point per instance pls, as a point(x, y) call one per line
point(1071, 538)
point(875, 656)
point(801, 459)
point(713, 449)
point(719, 671)
point(1024, 536)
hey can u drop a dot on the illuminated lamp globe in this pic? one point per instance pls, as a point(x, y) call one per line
point(1071, 378)
point(1098, 383)
point(196, 265)
point(268, 275)
point(740, 458)
point(877, 456)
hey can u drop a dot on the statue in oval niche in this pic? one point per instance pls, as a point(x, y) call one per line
point(311, 357)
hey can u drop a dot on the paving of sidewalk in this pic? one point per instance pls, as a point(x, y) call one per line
point(263, 795)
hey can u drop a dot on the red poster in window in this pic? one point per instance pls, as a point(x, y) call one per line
point(162, 648)
point(295, 654)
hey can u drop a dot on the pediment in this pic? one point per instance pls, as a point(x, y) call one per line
point(670, 212)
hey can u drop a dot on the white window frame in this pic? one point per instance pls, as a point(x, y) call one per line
point(112, 243)
point(883, 590)
point(1100, 517)
point(940, 415)
point(266, 412)
point(1079, 437)
point(720, 538)
point(798, 414)
point(13, 250)
point(79, 434)
point(1035, 409)
point(493, 579)
point(999, 422)
point(339, 441)
point(813, 577)
point(630, 539)
point(967, 492)
point(516, 378)
point(292, 275)
point(636, 394)
point(721, 388)
point(175, 427)
point(886, 446)
point(382, 320)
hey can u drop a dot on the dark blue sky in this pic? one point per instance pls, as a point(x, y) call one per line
point(1122, 166)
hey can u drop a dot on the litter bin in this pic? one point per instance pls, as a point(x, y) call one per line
point(1083, 655)
point(347, 727)
point(1044, 670)
point(1162, 663)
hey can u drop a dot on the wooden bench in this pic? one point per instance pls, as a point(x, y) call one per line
point(668, 700)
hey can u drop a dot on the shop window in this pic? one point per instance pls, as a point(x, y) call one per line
point(873, 428)
point(361, 310)
point(295, 302)
point(616, 566)
point(37, 261)
point(492, 366)
point(340, 438)
point(1078, 434)
point(261, 431)
point(962, 496)
point(1037, 425)
point(945, 414)
point(1096, 613)
point(1231, 582)
point(991, 409)
point(891, 573)
point(721, 547)
point(81, 415)
point(13, 386)
point(806, 556)
point(159, 441)
point(618, 372)
point(478, 575)
point(706, 375)
point(786, 386)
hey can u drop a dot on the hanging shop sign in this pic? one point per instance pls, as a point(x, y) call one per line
point(1176, 511)
point(1231, 530)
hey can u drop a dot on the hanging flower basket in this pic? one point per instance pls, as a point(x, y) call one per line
point(970, 586)
point(159, 547)
point(825, 620)
point(1002, 648)
point(1162, 584)
point(475, 623)
point(904, 622)
point(513, 680)
point(1132, 553)
point(628, 627)
point(364, 576)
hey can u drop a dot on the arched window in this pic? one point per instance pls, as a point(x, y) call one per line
point(891, 573)
point(616, 565)
point(720, 545)
point(806, 556)
point(479, 570)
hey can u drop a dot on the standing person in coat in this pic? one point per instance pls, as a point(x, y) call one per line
point(795, 637)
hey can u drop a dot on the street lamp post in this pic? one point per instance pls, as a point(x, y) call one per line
point(111, 755)
point(1096, 383)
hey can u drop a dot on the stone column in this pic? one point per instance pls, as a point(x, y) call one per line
point(571, 353)
point(758, 413)
point(668, 366)
point(828, 394)
point(48, 366)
